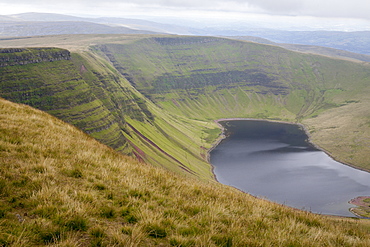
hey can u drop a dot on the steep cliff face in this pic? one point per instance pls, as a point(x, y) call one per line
point(50, 80)
point(17, 56)
point(84, 90)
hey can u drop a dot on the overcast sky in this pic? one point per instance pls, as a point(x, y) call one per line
point(339, 10)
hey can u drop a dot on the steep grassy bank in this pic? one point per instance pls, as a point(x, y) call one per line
point(207, 78)
point(60, 187)
point(86, 91)
point(184, 72)
point(187, 82)
point(59, 87)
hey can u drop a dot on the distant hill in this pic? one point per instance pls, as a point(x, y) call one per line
point(137, 24)
point(21, 28)
point(26, 23)
point(5, 18)
point(321, 50)
point(355, 42)
point(47, 17)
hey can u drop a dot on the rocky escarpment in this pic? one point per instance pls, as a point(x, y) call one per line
point(17, 56)
point(82, 91)
point(50, 79)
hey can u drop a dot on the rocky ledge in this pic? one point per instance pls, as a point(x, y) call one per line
point(23, 56)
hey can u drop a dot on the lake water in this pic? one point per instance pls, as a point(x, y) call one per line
point(275, 161)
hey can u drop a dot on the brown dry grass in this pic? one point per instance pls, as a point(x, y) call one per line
point(60, 187)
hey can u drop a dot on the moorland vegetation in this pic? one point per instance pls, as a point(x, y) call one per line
point(153, 101)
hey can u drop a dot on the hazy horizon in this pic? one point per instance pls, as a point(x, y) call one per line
point(286, 14)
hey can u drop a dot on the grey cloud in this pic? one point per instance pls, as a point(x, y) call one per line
point(276, 6)
point(320, 8)
point(323, 8)
point(342, 8)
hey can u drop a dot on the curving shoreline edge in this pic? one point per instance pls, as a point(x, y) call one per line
point(222, 136)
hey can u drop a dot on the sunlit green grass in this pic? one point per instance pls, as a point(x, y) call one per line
point(186, 76)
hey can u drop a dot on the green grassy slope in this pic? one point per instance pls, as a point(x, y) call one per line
point(59, 87)
point(87, 92)
point(161, 105)
point(60, 187)
point(206, 78)
point(182, 70)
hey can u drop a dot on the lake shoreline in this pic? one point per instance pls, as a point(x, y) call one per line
point(362, 206)
point(223, 136)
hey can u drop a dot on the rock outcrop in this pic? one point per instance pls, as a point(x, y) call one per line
point(23, 56)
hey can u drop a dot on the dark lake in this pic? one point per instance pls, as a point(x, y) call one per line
point(275, 161)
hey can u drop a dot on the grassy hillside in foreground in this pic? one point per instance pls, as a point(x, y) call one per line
point(207, 78)
point(60, 187)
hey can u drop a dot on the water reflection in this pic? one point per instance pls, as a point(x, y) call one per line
point(275, 161)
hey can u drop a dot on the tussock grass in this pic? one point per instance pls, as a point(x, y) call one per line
point(60, 187)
